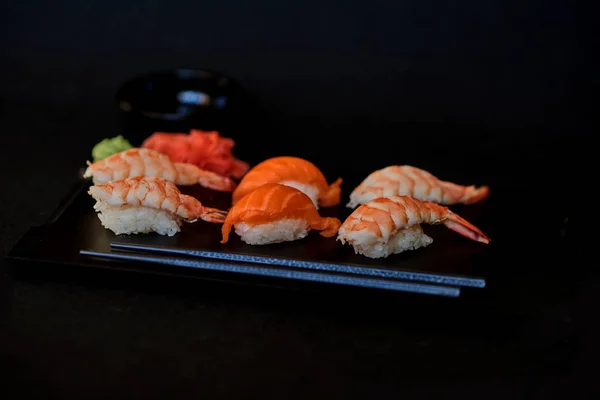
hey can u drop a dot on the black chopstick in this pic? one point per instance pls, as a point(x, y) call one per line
point(279, 272)
point(311, 265)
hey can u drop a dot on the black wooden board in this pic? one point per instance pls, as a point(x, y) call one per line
point(451, 262)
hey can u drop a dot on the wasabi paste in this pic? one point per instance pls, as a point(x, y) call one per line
point(110, 146)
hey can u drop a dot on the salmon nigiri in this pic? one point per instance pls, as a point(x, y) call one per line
point(274, 213)
point(295, 172)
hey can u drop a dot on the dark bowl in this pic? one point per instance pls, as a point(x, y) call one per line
point(179, 100)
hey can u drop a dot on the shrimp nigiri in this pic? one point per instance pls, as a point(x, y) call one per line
point(295, 172)
point(148, 162)
point(274, 213)
point(148, 204)
point(391, 225)
point(405, 180)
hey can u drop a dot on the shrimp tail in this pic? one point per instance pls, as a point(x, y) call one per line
point(213, 215)
point(189, 174)
point(225, 230)
point(329, 226)
point(217, 182)
point(465, 228)
point(473, 194)
point(332, 196)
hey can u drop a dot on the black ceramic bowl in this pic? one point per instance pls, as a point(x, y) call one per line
point(179, 100)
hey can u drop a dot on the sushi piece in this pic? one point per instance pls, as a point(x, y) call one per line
point(147, 162)
point(274, 213)
point(148, 204)
point(391, 225)
point(406, 180)
point(295, 172)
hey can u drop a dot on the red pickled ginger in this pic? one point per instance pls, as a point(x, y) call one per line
point(207, 150)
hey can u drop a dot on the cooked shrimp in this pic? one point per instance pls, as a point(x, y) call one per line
point(411, 181)
point(390, 225)
point(295, 172)
point(148, 204)
point(274, 213)
point(147, 162)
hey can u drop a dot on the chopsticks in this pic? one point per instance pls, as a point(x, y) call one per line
point(309, 265)
point(280, 272)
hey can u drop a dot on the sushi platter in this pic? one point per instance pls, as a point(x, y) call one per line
point(159, 209)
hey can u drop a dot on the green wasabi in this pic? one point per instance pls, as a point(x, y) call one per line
point(110, 146)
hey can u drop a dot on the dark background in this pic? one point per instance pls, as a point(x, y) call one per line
point(490, 88)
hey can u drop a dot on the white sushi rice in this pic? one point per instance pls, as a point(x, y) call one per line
point(373, 246)
point(126, 220)
point(286, 230)
point(309, 190)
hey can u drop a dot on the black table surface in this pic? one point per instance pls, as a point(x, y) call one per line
point(488, 88)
